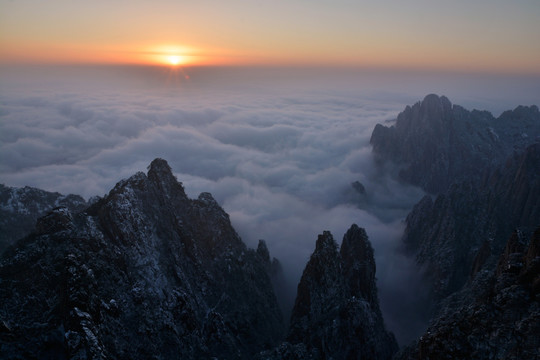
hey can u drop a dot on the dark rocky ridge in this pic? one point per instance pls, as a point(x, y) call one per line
point(448, 235)
point(336, 313)
point(497, 316)
point(485, 173)
point(21, 207)
point(437, 144)
point(145, 272)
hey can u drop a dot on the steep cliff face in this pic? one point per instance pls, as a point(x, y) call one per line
point(21, 207)
point(280, 282)
point(448, 234)
point(497, 316)
point(144, 273)
point(437, 144)
point(336, 313)
point(484, 173)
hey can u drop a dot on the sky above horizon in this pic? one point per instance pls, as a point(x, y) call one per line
point(482, 35)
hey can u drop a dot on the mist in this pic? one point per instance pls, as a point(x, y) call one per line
point(277, 147)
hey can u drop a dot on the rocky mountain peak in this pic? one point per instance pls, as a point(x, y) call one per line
point(431, 113)
point(321, 277)
point(436, 144)
point(143, 273)
point(160, 174)
point(434, 107)
point(159, 167)
point(433, 103)
point(326, 246)
point(359, 264)
point(522, 112)
point(262, 251)
point(336, 314)
point(208, 200)
point(355, 244)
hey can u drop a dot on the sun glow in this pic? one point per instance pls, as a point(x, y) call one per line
point(170, 55)
point(174, 60)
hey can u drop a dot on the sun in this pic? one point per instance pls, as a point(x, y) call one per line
point(174, 60)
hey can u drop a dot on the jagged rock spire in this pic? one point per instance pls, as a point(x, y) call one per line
point(359, 264)
point(336, 313)
point(160, 174)
point(262, 251)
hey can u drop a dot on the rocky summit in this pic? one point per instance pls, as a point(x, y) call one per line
point(144, 273)
point(336, 314)
point(436, 144)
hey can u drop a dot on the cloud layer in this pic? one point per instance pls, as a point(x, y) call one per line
point(277, 149)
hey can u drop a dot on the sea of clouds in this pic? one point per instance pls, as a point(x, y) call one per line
point(278, 149)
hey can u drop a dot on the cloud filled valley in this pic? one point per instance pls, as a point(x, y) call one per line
point(278, 154)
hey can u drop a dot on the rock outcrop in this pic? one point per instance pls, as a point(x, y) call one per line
point(143, 273)
point(497, 316)
point(451, 234)
point(436, 144)
point(336, 314)
point(21, 207)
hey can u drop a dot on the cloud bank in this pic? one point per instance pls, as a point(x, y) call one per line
point(278, 149)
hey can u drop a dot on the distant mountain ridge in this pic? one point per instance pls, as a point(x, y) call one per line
point(436, 144)
point(484, 173)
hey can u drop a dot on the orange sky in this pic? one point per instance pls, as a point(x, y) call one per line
point(483, 35)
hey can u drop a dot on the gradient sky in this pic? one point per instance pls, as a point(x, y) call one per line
point(472, 35)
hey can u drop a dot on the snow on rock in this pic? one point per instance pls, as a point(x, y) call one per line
point(144, 272)
point(21, 207)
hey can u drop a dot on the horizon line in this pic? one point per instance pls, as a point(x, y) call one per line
point(290, 66)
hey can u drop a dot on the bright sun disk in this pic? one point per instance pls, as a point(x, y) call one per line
point(174, 59)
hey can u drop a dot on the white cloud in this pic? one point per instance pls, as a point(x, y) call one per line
point(279, 156)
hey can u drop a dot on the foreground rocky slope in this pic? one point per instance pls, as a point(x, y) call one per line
point(144, 273)
point(21, 207)
point(336, 314)
point(497, 316)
